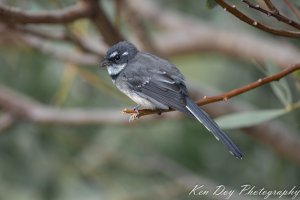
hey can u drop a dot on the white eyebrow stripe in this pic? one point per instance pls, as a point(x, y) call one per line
point(125, 53)
point(113, 54)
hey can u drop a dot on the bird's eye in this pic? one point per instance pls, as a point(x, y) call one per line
point(117, 57)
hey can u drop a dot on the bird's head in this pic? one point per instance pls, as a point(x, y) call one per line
point(117, 57)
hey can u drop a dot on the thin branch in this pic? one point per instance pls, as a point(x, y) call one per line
point(233, 10)
point(251, 86)
point(276, 14)
point(66, 15)
point(225, 96)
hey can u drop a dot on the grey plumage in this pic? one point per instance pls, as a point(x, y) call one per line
point(155, 83)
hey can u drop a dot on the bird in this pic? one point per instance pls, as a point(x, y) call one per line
point(155, 83)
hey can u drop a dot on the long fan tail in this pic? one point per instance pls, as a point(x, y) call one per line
point(213, 127)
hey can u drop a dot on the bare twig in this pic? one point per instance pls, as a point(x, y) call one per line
point(66, 15)
point(225, 96)
point(276, 14)
point(233, 10)
point(251, 86)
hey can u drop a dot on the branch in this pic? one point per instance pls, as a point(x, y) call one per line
point(233, 10)
point(251, 86)
point(222, 97)
point(275, 13)
point(66, 15)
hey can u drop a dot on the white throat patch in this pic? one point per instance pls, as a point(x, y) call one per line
point(115, 69)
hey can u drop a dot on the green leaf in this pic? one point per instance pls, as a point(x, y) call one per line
point(281, 88)
point(211, 4)
point(247, 119)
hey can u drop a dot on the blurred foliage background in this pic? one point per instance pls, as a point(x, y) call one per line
point(146, 159)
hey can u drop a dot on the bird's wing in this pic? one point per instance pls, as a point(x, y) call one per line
point(160, 86)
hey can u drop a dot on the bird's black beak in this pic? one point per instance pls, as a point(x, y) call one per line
point(105, 63)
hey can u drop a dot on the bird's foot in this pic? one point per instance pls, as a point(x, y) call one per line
point(135, 115)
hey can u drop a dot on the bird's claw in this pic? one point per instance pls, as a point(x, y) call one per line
point(134, 116)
